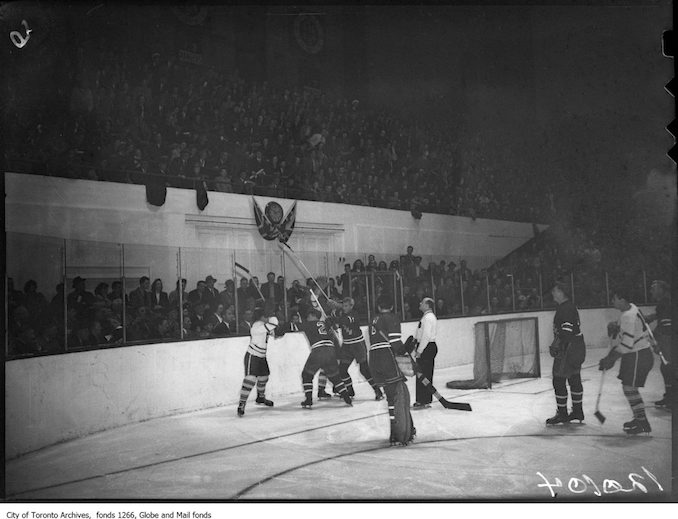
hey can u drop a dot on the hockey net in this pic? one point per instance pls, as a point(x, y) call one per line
point(504, 349)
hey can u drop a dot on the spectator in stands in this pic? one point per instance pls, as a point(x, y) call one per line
point(33, 300)
point(211, 294)
point(227, 296)
point(342, 281)
point(101, 295)
point(271, 290)
point(218, 323)
point(198, 295)
point(245, 324)
point(80, 299)
point(243, 294)
point(159, 298)
point(174, 294)
point(116, 291)
point(141, 296)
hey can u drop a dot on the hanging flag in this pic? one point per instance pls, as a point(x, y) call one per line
point(271, 223)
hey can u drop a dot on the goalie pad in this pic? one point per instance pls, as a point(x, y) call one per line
point(405, 365)
point(402, 426)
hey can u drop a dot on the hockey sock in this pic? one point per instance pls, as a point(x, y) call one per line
point(322, 380)
point(345, 377)
point(307, 383)
point(339, 386)
point(365, 372)
point(261, 385)
point(247, 384)
point(390, 399)
point(576, 390)
point(635, 401)
point(561, 393)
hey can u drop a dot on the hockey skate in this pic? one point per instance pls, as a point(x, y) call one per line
point(576, 414)
point(350, 391)
point(637, 426)
point(241, 411)
point(323, 394)
point(417, 406)
point(378, 395)
point(262, 400)
point(347, 398)
point(560, 417)
point(306, 404)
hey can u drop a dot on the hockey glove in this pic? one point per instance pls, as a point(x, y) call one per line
point(612, 329)
point(608, 361)
point(410, 344)
point(556, 348)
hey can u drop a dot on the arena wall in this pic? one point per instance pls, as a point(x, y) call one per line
point(55, 398)
point(119, 213)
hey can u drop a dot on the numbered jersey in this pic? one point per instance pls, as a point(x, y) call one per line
point(385, 332)
point(259, 334)
point(316, 333)
point(350, 330)
point(566, 322)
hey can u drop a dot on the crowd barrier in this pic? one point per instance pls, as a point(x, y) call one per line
point(57, 398)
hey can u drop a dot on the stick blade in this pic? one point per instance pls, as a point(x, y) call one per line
point(601, 418)
point(458, 406)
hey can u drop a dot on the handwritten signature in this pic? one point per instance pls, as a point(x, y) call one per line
point(581, 485)
point(18, 39)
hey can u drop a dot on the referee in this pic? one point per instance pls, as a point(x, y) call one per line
point(426, 351)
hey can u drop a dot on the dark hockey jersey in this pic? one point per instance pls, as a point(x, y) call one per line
point(663, 316)
point(316, 333)
point(350, 329)
point(385, 332)
point(566, 322)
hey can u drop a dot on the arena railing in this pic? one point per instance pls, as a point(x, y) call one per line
point(63, 319)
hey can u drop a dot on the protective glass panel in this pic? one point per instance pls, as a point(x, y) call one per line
point(34, 295)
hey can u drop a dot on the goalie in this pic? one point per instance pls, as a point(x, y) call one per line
point(568, 351)
point(385, 343)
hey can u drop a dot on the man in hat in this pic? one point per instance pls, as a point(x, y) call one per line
point(211, 295)
point(662, 295)
point(568, 351)
point(425, 351)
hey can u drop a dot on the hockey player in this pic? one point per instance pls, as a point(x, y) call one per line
point(662, 334)
point(385, 343)
point(256, 365)
point(568, 351)
point(353, 347)
point(632, 344)
point(322, 355)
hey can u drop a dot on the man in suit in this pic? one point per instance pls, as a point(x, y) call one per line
point(272, 290)
point(141, 296)
point(211, 294)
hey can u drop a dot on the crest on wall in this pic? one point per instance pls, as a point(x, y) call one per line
point(272, 222)
point(309, 33)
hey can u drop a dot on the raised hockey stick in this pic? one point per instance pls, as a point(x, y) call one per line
point(305, 270)
point(249, 276)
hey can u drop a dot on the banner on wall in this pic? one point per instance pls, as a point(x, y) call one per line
point(272, 223)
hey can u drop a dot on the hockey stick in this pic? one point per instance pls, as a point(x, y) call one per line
point(307, 272)
point(249, 276)
point(600, 416)
point(652, 338)
point(459, 406)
